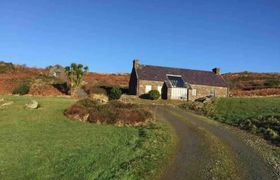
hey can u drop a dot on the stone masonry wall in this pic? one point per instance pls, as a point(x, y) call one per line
point(142, 85)
point(202, 91)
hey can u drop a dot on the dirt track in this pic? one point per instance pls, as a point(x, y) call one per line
point(208, 150)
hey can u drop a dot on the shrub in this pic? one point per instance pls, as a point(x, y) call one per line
point(144, 96)
point(154, 94)
point(115, 93)
point(95, 90)
point(272, 83)
point(270, 134)
point(87, 103)
point(6, 67)
point(114, 112)
point(247, 125)
point(22, 89)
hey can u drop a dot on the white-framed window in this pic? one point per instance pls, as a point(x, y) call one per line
point(159, 89)
point(212, 92)
point(194, 92)
point(148, 88)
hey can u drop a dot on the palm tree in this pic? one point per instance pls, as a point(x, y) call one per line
point(75, 73)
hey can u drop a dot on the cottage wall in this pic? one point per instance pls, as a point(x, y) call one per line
point(142, 85)
point(133, 83)
point(203, 90)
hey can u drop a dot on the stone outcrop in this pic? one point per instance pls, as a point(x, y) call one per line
point(100, 98)
point(32, 105)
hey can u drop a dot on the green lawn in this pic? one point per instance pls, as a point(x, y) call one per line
point(43, 144)
point(243, 108)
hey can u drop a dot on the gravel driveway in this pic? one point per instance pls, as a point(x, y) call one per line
point(211, 150)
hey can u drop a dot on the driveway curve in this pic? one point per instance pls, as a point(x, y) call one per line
point(208, 150)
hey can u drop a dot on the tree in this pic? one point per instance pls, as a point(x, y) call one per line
point(75, 73)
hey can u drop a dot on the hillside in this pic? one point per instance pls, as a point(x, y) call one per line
point(253, 84)
point(43, 84)
point(12, 75)
point(104, 79)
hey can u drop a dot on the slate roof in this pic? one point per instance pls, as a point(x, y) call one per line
point(159, 73)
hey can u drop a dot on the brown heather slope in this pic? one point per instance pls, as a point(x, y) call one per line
point(253, 84)
point(104, 79)
point(11, 78)
point(12, 75)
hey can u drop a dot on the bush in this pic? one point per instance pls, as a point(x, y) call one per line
point(270, 134)
point(6, 67)
point(22, 89)
point(154, 94)
point(114, 112)
point(115, 93)
point(95, 90)
point(272, 83)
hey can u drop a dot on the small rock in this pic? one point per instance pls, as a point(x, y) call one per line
point(85, 118)
point(2, 99)
point(7, 103)
point(32, 105)
point(100, 98)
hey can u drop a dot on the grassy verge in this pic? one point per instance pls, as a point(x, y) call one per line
point(44, 144)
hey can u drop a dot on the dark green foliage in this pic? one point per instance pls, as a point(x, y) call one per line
point(272, 83)
point(154, 94)
point(75, 74)
point(144, 96)
point(271, 134)
point(115, 93)
point(21, 89)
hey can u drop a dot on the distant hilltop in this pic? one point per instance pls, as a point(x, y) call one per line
point(253, 84)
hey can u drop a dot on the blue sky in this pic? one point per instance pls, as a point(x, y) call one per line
point(107, 35)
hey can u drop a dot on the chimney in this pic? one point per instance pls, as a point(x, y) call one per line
point(217, 71)
point(135, 63)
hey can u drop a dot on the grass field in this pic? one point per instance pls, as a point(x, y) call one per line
point(43, 144)
point(258, 115)
point(242, 108)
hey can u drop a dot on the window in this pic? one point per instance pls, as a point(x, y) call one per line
point(212, 92)
point(159, 89)
point(194, 92)
point(148, 88)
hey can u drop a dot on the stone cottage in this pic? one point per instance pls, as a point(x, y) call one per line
point(176, 83)
point(58, 72)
